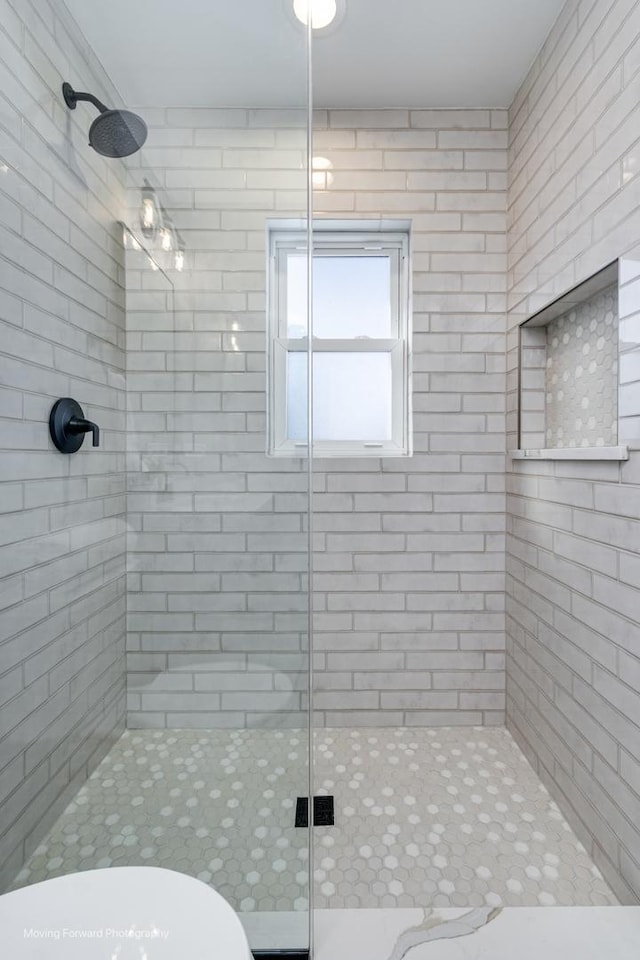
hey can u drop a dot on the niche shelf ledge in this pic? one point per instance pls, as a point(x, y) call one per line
point(573, 453)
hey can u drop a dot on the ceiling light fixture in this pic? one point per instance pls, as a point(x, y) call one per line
point(323, 12)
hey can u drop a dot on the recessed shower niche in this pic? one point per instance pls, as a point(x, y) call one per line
point(579, 372)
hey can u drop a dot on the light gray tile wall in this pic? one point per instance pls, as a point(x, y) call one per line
point(409, 558)
point(573, 647)
point(218, 544)
point(409, 561)
point(629, 365)
point(61, 518)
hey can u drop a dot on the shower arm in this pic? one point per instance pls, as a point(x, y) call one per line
point(71, 98)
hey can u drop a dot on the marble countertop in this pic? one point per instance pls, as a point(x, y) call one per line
point(525, 933)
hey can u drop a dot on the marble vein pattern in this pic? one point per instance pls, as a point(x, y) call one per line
point(525, 933)
point(437, 928)
point(427, 818)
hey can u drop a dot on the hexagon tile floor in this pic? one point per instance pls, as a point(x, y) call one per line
point(446, 817)
point(442, 817)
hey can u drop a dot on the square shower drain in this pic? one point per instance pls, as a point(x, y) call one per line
point(322, 812)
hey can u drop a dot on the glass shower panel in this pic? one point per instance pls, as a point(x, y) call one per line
point(202, 769)
point(218, 604)
point(219, 645)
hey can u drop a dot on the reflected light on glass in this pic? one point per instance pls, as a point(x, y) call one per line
point(629, 168)
point(166, 240)
point(322, 177)
point(149, 213)
point(322, 12)
point(179, 260)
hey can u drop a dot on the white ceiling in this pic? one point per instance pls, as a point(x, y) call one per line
point(384, 53)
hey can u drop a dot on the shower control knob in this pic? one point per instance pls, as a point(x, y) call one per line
point(67, 426)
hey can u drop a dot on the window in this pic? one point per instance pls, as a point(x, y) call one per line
point(361, 297)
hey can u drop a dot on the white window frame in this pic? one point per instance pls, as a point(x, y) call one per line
point(340, 238)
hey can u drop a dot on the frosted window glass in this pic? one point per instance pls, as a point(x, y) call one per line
point(296, 295)
point(352, 397)
point(297, 396)
point(351, 296)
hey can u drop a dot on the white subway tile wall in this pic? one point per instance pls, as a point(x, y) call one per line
point(409, 554)
point(573, 667)
point(409, 564)
point(62, 527)
point(629, 387)
point(217, 582)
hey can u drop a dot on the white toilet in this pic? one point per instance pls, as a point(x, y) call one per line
point(122, 913)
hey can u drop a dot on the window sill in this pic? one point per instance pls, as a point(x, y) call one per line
point(322, 452)
point(573, 453)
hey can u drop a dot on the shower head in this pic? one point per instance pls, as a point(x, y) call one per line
point(115, 133)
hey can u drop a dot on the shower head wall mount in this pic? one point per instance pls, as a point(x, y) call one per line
point(73, 97)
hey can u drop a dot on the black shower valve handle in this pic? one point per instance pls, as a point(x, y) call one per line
point(68, 425)
point(78, 425)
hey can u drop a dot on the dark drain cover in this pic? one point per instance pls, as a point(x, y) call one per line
point(323, 815)
point(323, 812)
point(302, 812)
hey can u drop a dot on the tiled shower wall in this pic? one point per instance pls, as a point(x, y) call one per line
point(573, 665)
point(61, 518)
point(409, 554)
point(409, 574)
point(218, 604)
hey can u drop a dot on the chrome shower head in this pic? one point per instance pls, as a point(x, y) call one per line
point(115, 133)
